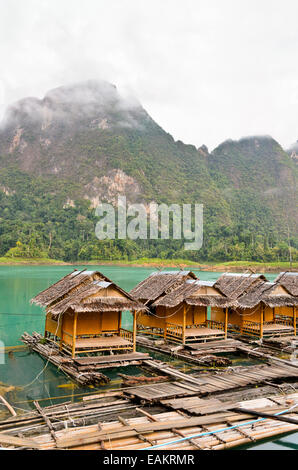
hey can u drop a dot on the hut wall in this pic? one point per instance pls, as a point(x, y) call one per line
point(110, 321)
point(51, 325)
point(196, 315)
point(150, 320)
point(217, 314)
point(175, 315)
point(268, 314)
point(234, 318)
point(285, 311)
point(67, 328)
point(89, 323)
point(237, 317)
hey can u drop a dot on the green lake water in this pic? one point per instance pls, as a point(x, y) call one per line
point(18, 284)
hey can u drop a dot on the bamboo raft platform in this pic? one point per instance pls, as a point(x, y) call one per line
point(197, 353)
point(113, 422)
point(84, 370)
point(208, 382)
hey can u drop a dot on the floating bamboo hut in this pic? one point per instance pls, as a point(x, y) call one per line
point(84, 311)
point(289, 281)
point(179, 308)
point(258, 307)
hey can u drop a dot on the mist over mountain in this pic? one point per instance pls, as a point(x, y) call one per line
point(85, 143)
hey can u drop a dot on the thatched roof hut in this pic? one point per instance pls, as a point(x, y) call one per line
point(94, 297)
point(234, 285)
point(269, 293)
point(160, 283)
point(66, 285)
point(248, 290)
point(289, 280)
point(193, 292)
point(85, 291)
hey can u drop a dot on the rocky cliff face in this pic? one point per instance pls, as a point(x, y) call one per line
point(90, 143)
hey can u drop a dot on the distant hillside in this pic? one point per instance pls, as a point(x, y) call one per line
point(85, 143)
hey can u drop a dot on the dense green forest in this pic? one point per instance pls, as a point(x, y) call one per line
point(35, 224)
point(60, 156)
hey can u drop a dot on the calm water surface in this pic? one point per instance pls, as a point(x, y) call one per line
point(18, 284)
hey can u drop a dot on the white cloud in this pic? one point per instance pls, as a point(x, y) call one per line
point(206, 70)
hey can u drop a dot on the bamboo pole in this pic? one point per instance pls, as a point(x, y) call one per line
point(74, 334)
point(262, 321)
point(226, 323)
point(134, 329)
point(8, 406)
point(265, 415)
point(184, 323)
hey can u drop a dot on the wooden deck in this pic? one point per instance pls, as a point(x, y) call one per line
point(102, 342)
point(269, 329)
point(203, 334)
point(277, 328)
point(97, 360)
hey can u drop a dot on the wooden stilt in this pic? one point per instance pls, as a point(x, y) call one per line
point(261, 321)
point(226, 322)
point(294, 319)
point(74, 334)
point(134, 330)
point(184, 323)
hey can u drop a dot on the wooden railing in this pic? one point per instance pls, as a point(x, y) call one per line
point(250, 327)
point(150, 330)
point(126, 334)
point(287, 321)
point(215, 325)
point(174, 331)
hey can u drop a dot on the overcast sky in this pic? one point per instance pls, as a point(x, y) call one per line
point(205, 70)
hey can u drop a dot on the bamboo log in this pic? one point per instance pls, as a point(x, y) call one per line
point(265, 415)
point(17, 441)
point(8, 406)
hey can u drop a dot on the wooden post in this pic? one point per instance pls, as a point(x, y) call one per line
point(294, 320)
point(206, 316)
point(273, 309)
point(134, 329)
point(226, 322)
point(184, 323)
point(74, 334)
point(262, 321)
point(119, 320)
point(165, 330)
point(61, 329)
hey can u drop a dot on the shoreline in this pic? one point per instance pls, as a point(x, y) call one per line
point(229, 266)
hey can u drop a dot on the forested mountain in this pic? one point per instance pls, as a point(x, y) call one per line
point(85, 143)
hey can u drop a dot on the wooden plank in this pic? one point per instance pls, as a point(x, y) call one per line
point(112, 358)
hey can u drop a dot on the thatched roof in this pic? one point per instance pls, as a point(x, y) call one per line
point(263, 292)
point(93, 297)
point(160, 283)
point(65, 285)
point(234, 285)
point(84, 291)
point(289, 280)
point(188, 292)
